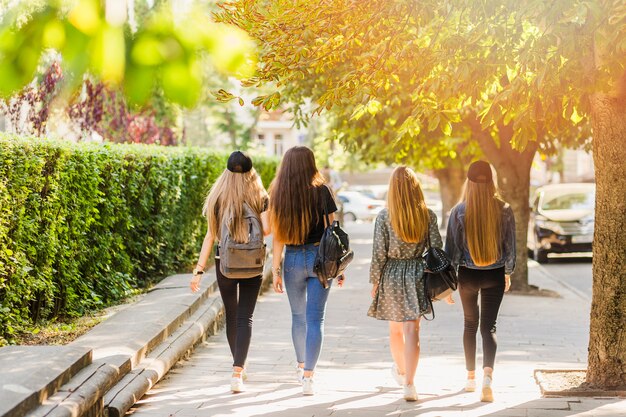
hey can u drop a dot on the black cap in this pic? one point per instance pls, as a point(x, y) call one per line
point(239, 162)
point(480, 172)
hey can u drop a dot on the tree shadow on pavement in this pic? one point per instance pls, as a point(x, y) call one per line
point(567, 406)
point(356, 404)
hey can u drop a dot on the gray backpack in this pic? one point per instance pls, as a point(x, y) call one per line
point(243, 260)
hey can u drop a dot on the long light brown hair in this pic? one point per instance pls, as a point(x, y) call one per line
point(295, 195)
point(226, 198)
point(408, 213)
point(483, 221)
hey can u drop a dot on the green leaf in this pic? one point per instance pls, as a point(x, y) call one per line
point(358, 112)
point(446, 128)
point(374, 106)
point(181, 83)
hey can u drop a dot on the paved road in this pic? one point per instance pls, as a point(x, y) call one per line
point(353, 377)
point(575, 271)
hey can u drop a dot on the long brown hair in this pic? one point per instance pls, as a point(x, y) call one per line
point(483, 221)
point(228, 194)
point(408, 213)
point(295, 195)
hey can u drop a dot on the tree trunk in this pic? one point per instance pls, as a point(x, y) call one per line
point(232, 130)
point(607, 334)
point(513, 169)
point(451, 180)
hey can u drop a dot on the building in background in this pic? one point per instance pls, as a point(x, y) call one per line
point(578, 166)
point(276, 132)
point(571, 165)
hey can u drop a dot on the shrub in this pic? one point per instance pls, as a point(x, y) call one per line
point(85, 225)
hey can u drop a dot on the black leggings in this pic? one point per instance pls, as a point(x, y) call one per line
point(490, 284)
point(238, 312)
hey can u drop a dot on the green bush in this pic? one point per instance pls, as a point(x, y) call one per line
point(85, 225)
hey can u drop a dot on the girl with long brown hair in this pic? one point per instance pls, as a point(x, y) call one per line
point(480, 242)
point(298, 200)
point(239, 184)
point(397, 271)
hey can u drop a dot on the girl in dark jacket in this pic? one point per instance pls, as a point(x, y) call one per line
point(480, 241)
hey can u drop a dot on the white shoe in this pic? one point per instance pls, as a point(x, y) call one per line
point(486, 395)
point(236, 384)
point(307, 386)
point(299, 374)
point(470, 385)
point(397, 376)
point(410, 394)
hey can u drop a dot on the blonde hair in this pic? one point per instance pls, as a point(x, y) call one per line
point(226, 199)
point(408, 213)
point(483, 222)
point(295, 196)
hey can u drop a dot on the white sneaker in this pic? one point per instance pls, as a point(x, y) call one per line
point(410, 394)
point(299, 374)
point(486, 394)
point(470, 385)
point(397, 376)
point(236, 384)
point(307, 386)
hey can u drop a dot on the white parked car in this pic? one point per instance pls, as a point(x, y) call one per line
point(357, 206)
point(561, 219)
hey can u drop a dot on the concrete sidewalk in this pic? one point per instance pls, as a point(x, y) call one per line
point(353, 376)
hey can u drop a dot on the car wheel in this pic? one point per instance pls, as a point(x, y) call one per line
point(349, 217)
point(541, 256)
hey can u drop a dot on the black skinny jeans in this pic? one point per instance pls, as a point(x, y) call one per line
point(239, 311)
point(490, 285)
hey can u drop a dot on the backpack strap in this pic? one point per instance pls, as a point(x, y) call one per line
point(326, 215)
point(432, 310)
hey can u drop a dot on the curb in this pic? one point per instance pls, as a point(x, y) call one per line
point(559, 281)
point(111, 385)
point(573, 392)
point(155, 366)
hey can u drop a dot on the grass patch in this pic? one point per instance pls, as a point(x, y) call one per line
point(64, 331)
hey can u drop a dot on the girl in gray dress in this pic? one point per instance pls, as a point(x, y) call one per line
point(397, 269)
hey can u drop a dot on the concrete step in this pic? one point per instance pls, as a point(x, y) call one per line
point(136, 347)
point(31, 374)
point(205, 322)
point(83, 394)
point(134, 331)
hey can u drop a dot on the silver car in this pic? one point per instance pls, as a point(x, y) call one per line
point(561, 219)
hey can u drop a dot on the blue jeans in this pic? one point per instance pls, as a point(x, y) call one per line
point(307, 299)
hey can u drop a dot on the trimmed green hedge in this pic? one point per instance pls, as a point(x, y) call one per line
point(85, 225)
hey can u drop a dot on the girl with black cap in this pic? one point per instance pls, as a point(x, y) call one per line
point(480, 242)
point(224, 206)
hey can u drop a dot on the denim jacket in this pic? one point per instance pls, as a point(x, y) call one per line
point(456, 242)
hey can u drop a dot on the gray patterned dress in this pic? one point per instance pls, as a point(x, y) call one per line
point(398, 269)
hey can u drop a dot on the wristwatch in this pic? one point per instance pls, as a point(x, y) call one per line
point(197, 271)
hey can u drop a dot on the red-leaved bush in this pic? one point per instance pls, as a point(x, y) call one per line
point(29, 109)
point(103, 110)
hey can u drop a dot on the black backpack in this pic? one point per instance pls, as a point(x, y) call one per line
point(334, 254)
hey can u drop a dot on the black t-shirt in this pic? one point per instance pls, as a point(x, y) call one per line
point(317, 229)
